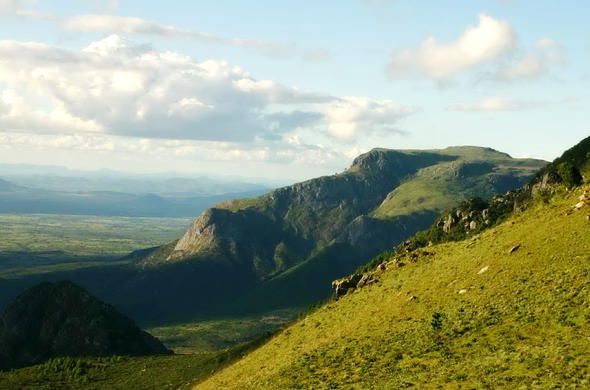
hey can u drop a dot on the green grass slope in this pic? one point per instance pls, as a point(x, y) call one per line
point(466, 314)
point(118, 372)
point(478, 172)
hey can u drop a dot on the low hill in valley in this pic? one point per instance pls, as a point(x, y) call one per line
point(61, 319)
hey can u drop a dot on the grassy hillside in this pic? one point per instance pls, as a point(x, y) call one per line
point(439, 187)
point(155, 372)
point(466, 314)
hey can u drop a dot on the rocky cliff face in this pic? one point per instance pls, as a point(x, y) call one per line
point(275, 232)
point(62, 319)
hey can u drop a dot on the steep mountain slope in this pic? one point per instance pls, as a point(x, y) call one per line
point(291, 242)
point(507, 307)
point(62, 319)
point(291, 222)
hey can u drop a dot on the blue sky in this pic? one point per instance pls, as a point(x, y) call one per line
point(286, 90)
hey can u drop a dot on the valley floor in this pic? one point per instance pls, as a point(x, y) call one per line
point(508, 308)
point(45, 243)
point(157, 372)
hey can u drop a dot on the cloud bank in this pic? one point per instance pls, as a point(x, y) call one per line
point(113, 87)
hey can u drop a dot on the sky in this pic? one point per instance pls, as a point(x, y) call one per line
point(286, 90)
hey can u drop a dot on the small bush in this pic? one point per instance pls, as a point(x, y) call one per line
point(436, 323)
point(569, 174)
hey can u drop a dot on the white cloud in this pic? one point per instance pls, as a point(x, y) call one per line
point(348, 117)
point(114, 87)
point(546, 54)
point(179, 150)
point(134, 90)
point(10, 6)
point(17, 114)
point(477, 45)
point(23, 8)
point(112, 24)
point(497, 104)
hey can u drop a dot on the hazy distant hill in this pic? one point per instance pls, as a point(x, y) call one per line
point(6, 186)
point(133, 184)
point(117, 196)
point(58, 190)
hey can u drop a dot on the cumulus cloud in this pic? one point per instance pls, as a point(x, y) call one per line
point(348, 117)
point(118, 88)
point(477, 45)
point(113, 24)
point(545, 54)
point(17, 114)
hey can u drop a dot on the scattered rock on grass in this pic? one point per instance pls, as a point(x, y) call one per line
point(514, 249)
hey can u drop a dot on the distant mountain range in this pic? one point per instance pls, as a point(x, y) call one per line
point(117, 195)
point(201, 186)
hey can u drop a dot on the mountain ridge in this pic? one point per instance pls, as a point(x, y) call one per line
point(370, 175)
point(310, 232)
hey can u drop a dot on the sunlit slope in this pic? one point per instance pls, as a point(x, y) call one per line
point(480, 172)
point(469, 315)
